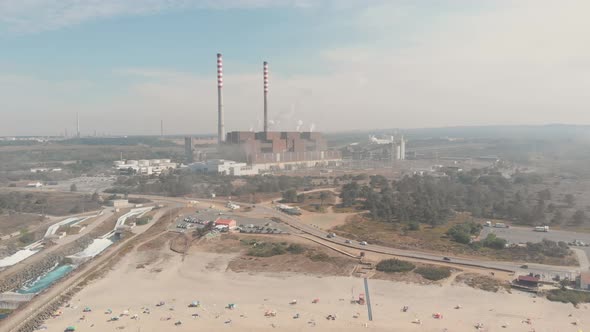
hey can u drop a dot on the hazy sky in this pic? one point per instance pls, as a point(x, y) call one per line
point(336, 64)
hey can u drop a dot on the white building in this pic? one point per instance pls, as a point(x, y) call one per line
point(145, 167)
point(119, 203)
point(225, 167)
point(43, 170)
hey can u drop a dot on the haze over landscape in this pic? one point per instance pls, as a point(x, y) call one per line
point(289, 165)
point(125, 65)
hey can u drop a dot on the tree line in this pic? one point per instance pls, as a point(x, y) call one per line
point(484, 193)
point(202, 184)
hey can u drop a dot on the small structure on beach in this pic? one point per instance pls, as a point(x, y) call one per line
point(528, 281)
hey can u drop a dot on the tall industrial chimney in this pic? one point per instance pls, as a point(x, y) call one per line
point(162, 128)
point(77, 124)
point(220, 126)
point(265, 76)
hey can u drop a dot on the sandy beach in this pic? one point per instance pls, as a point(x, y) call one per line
point(202, 277)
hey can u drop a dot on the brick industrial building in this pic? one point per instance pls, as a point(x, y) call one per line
point(288, 147)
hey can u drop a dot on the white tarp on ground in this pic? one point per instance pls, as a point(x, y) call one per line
point(70, 221)
point(17, 257)
point(53, 228)
point(135, 212)
point(121, 221)
point(96, 247)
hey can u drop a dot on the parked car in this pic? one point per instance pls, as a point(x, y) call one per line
point(363, 243)
point(446, 259)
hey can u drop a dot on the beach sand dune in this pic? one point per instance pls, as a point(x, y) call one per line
point(203, 277)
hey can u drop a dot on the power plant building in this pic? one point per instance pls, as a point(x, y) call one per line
point(267, 150)
point(283, 149)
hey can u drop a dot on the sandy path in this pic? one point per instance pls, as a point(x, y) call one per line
point(582, 259)
point(202, 277)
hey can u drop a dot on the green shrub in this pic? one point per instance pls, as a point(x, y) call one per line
point(494, 242)
point(460, 237)
point(395, 265)
point(434, 273)
point(414, 226)
point(462, 232)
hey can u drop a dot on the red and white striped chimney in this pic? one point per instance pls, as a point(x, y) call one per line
point(220, 125)
point(265, 76)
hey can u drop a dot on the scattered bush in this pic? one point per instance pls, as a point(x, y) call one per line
point(143, 220)
point(26, 238)
point(295, 248)
point(395, 265)
point(549, 248)
point(568, 296)
point(138, 200)
point(319, 257)
point(264, 249)
point(434, 273)
point(290, 196)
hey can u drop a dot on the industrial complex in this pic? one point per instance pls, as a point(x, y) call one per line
point(254, 152)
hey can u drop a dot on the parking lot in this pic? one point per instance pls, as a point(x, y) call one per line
point(87, 184)
point(523, 235)
point(245, 224)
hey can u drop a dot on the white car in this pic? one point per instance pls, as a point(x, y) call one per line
point(363, 243)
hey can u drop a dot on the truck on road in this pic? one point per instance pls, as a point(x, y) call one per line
point(541, 229)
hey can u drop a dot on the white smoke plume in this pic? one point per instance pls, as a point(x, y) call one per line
point(299, 125)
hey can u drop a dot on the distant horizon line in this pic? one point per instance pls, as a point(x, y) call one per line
point(214, 135)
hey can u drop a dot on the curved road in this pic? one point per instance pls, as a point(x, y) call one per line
point(548, 271)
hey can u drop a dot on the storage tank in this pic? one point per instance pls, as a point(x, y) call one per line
point(118, 163)
point(144, 163)
point(132, 162)
point(165, 161)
